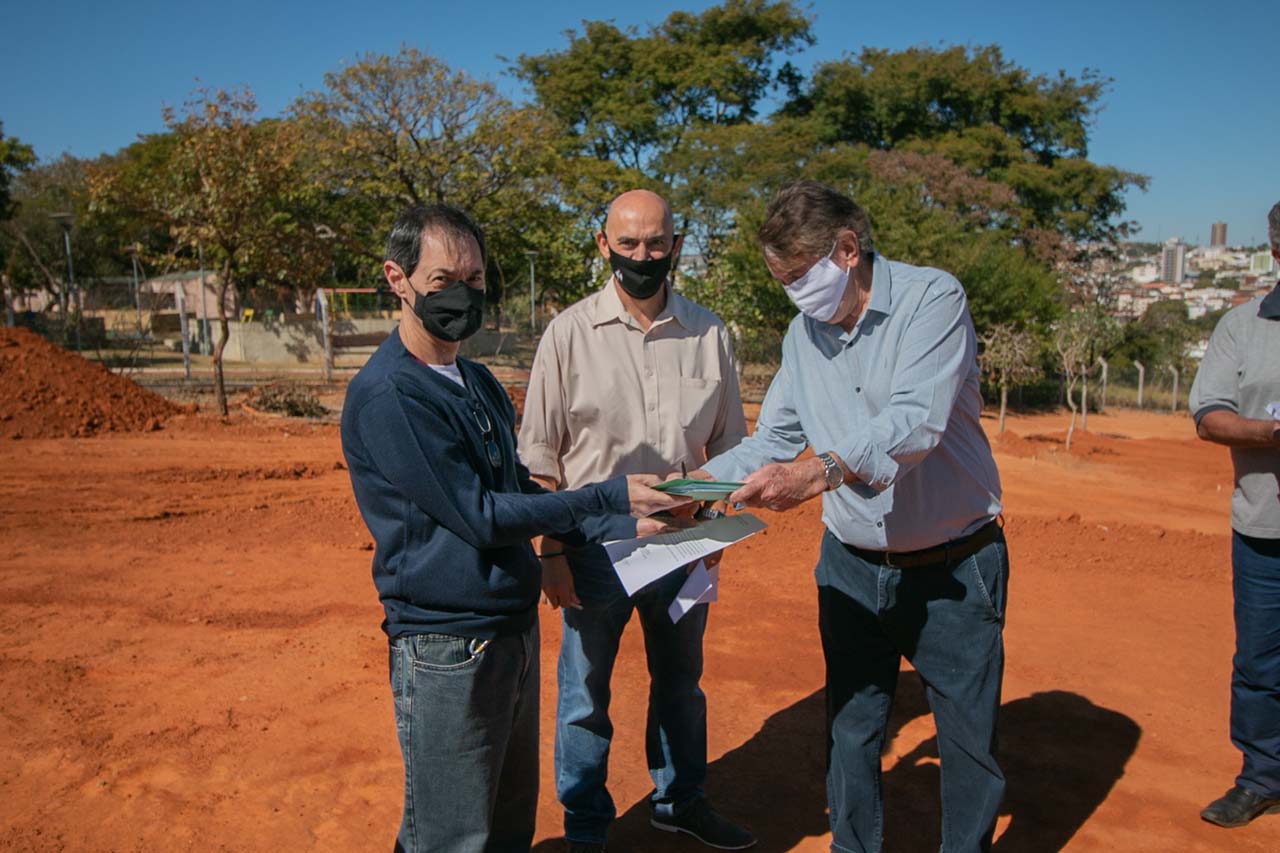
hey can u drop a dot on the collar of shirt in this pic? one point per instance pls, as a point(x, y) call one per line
point(880, 303)
point(1270, 307)
point(420, 374)
point(609, 308)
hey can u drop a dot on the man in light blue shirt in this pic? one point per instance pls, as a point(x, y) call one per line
point(879, 376)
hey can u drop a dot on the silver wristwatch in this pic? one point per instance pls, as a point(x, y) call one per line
point(831, 470)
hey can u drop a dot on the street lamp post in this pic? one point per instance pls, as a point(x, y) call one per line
point(64, 219)
point(532, 320)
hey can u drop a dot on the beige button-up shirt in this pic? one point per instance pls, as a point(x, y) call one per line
point(607, 398)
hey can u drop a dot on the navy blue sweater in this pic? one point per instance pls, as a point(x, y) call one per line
point(451, 530)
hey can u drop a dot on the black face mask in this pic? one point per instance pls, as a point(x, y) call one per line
point(641, 279)
point(451, 314)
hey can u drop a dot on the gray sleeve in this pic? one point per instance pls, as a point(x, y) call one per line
point(1217, 383)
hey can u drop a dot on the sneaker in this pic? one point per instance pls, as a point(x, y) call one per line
point(702, 822)
point(1239, 806)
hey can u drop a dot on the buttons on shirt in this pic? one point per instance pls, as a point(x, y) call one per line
point(879, 524)
point(858, 390)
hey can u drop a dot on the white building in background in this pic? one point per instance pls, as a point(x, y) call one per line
point(1207, 299)
point(1173, 262)
point(1262, 263)
point(1145, 273)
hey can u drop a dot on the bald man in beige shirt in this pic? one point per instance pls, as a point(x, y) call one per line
point(632, 379)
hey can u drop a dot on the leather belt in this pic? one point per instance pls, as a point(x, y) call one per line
point(949, 552)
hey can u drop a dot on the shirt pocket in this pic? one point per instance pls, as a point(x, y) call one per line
point(699, 402)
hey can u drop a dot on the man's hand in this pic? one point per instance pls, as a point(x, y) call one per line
point(557, 583)
point(781, 486)
point(655, 525)
point(647, 501)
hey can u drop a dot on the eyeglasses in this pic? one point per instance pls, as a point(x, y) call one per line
point(486, 433)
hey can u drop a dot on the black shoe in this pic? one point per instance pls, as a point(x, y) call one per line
point(1239, 806)
point(701, 821)
point(585, 846)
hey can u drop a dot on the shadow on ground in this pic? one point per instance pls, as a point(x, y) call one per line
point(1061, 754)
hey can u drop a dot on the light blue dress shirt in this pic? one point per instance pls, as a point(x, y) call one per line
point(897, 399)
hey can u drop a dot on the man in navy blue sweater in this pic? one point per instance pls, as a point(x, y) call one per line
point(430, 445)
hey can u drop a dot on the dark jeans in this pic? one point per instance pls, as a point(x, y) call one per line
point(1255, 676)
point(676, 732)
point(467, 720)
point(948, 621)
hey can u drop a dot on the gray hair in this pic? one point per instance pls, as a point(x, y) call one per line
point(804, 218)
point(1273, 227)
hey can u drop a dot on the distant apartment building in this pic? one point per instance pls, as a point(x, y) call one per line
point(1173, 262)
point(1262, 263)
point(1218, 234)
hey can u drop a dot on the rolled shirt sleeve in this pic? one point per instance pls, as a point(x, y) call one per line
point(1217, 384)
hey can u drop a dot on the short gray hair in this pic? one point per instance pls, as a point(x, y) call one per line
point(1273, 227)
point(804, 218)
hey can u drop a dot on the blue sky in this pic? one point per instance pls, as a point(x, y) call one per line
point(1194, 104)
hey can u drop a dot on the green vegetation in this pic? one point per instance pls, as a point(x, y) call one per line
point(964, 161)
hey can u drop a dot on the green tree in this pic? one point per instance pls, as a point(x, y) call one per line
point(631, 99)
point(1161, 336)
point(1071, 342)
point(1010, 358)
point(15, 158)
point(230, 182)
point(31, 240)
point(988, 115)
point(629, 105)
point(389, 131)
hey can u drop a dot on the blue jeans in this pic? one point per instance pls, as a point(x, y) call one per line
point(676, 731)
point(948, 621)
point(1255, 676)
point(467, 721)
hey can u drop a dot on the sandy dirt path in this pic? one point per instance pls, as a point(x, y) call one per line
point(190, 655)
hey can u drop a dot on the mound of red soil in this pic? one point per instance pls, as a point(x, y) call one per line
point(47, 392)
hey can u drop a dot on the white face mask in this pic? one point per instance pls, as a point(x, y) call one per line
point(819, 291)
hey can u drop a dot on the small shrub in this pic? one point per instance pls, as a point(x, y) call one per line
point(286, 399)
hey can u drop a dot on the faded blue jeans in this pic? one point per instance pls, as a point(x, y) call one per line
point(948, 621)
point(1255, 675)
point(467, 721)
point(676, 731)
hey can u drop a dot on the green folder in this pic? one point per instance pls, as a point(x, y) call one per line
point(698, 490)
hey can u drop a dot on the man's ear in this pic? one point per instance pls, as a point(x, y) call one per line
point(397, 280)
point(849, 246)
point(602, 244)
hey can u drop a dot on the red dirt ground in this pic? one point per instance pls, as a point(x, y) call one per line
point(47, 392)
point(190, 656)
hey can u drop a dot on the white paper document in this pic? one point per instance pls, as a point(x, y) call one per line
point(1273, 409)
point(701, 588)
point(640, 562)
